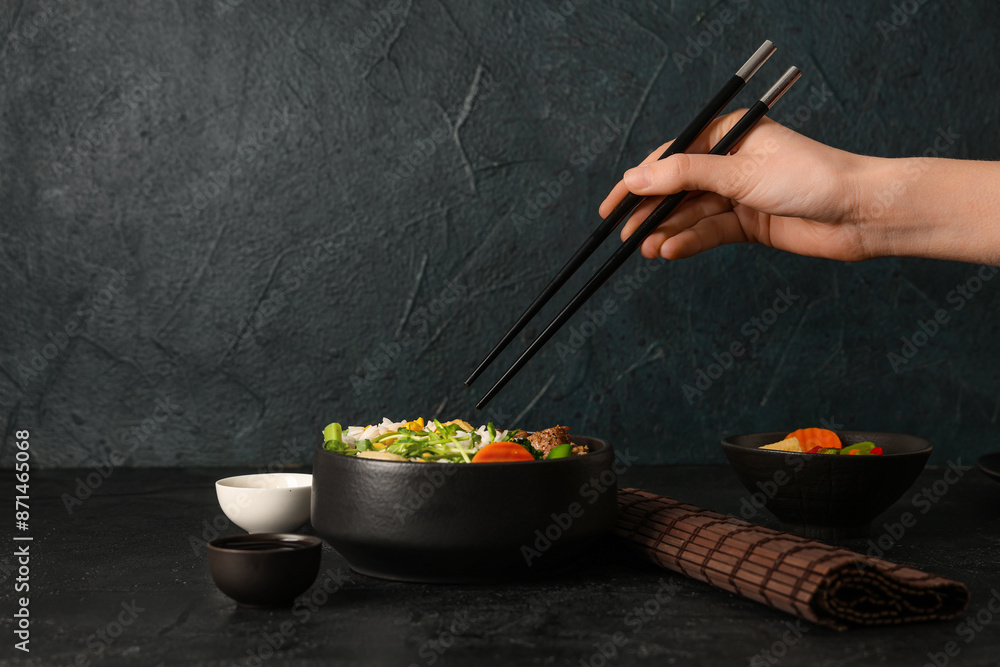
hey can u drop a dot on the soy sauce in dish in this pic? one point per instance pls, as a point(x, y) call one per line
point(262, 546)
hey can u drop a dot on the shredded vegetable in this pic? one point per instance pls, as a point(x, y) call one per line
point(419, 440)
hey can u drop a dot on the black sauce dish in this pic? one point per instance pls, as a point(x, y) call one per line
point(264, 569)
point(463, 522)
point(827, 496)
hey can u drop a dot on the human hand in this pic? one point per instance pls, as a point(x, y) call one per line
point(780, 189)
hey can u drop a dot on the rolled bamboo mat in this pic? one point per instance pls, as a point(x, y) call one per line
point(823, 584)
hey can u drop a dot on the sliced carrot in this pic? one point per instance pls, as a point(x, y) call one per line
point(816, 437)
point(502, 452)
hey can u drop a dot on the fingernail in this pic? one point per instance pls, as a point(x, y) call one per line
point(637, 178)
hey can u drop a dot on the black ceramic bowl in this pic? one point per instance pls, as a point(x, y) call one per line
point(463, 522)
point(990, 465)
point(827, 496)
point(264, 569)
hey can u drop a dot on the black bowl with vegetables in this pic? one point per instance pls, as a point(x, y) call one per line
point(823, 495)
point(463, 522)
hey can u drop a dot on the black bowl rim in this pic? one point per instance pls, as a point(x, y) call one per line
point(605, 446)
point(301, 542)
point(726, 442)
point(989, 463)
point(987, 459)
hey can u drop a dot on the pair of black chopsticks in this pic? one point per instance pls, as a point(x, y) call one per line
point(683, 141)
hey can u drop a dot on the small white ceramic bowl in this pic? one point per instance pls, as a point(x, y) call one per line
point(268, 502)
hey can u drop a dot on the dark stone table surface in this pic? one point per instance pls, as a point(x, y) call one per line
point(123, 579)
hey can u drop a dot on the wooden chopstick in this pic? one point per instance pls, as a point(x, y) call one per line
point(659, 214)
point(683, 141)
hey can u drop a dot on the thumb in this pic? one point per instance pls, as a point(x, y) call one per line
point(732, 176)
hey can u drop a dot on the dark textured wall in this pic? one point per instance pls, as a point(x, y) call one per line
point(225, 224)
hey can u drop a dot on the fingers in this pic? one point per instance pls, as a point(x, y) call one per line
point(732, 176)
point(619, 191)
point(708, 233)
point(639, 215)
point(715, 131)
point(613, 199)
point(702, 144)
point(687, 215)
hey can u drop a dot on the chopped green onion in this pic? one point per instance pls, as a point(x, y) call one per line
point(333, 432)
point(461, 450)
